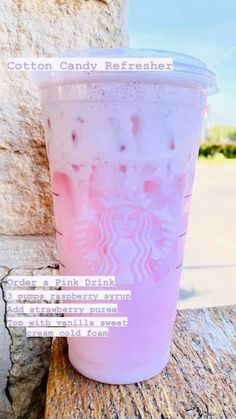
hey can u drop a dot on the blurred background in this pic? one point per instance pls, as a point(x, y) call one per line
point(205, 29)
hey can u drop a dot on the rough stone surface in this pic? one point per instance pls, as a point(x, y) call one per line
point(38, 28)
point(29, 365)
point(28, 252)
point(24, 361)
point(198, 381)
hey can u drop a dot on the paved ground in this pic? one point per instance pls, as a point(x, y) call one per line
point(209, 274)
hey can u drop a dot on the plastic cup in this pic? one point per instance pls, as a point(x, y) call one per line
point(122, 148)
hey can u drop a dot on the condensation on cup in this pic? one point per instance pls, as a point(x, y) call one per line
point(122, 149)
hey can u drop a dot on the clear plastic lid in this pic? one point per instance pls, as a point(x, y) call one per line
point(185, 68)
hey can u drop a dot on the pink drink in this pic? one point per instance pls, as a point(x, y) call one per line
point(122, 156)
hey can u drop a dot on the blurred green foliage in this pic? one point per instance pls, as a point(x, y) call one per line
point(209, 150)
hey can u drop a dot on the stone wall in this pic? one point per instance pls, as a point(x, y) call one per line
point(27, 245)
